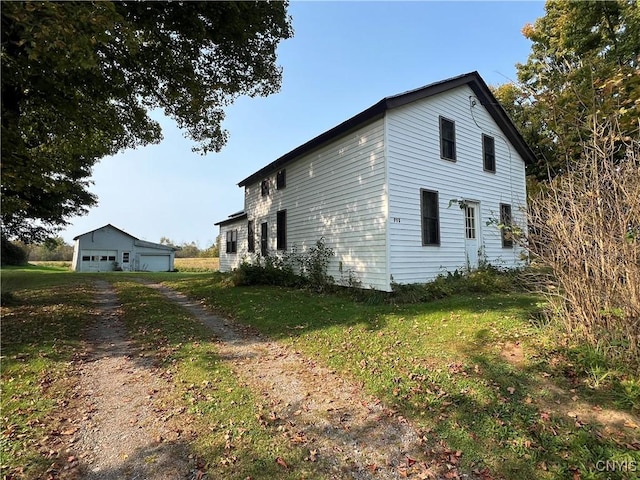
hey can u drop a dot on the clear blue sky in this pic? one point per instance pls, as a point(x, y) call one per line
point(343, 58)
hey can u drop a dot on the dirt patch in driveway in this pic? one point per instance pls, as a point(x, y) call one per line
point(120, 431)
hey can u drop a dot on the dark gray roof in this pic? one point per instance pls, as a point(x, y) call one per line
point(473, 79)
point(234, 217)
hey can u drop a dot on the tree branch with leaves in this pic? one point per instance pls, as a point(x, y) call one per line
point(80, 78)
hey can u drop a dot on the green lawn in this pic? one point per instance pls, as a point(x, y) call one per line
point(475, 373)
point(44, 311)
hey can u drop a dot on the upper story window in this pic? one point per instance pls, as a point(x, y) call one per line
point(264, 187)
point(489, 153)
point(232, 241)
point(430, 218)
point(281, 179)
point(447, 139)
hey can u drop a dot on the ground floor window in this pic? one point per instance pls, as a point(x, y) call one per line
point(281, 227)
point(264, 239)
point(430, 218)
point(505, 223)
point(232, 241)
point(251, 237)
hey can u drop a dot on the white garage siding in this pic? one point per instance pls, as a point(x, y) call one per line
point(103, 248)
point(98, 260)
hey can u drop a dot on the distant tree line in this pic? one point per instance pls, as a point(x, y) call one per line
point(56, 250)
point(191, 249)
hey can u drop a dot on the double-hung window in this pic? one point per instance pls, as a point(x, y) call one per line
point(281, 179)
point(447, 139)
point(232, 241)
point(281, 230)
point(489, 153)
point(264, 187)
point(505, 223)
point(264, 239)
point(430, 218)
point(251, 237)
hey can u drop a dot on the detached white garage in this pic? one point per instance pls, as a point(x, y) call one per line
point(108, 248)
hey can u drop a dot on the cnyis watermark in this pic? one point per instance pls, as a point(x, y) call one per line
point(627, 465)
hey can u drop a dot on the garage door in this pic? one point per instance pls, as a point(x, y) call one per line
point(97, 260)
point(155, 263)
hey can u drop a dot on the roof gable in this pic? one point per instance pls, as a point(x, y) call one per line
point(473, 80)
point(136, 241)
point(108, 225)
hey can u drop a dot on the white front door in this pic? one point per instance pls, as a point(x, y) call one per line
point(471, 233)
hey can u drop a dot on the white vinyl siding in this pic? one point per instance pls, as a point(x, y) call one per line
point(229, 261)
point(415, 164)
point(337, 192)
point(97, 260)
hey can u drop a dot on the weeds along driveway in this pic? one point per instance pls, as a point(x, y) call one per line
point(353, 433)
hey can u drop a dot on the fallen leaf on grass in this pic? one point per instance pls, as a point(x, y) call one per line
point(630, 424)
point(280, 461)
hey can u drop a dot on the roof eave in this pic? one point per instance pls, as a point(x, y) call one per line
point(227, 221)
point(105, 226)
point(473, 79)
point(370, 114)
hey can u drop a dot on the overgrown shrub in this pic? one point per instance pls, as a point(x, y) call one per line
point(314, 265)
point(485, 279)
point(267, 270)
point(586, 228)
point(289, 269)
point(12, 254)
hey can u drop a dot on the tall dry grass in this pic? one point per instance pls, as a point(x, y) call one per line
point(586, 228)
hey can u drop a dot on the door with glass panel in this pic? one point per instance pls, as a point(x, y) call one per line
point(471, 233)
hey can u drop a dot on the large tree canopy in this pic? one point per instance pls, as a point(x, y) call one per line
point(584, 63)
point(78, 80)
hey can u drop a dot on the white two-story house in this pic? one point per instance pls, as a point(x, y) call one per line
point(412, 187)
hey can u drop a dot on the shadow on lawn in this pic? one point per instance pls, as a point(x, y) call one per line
point(46, 320)
point(493, 410)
